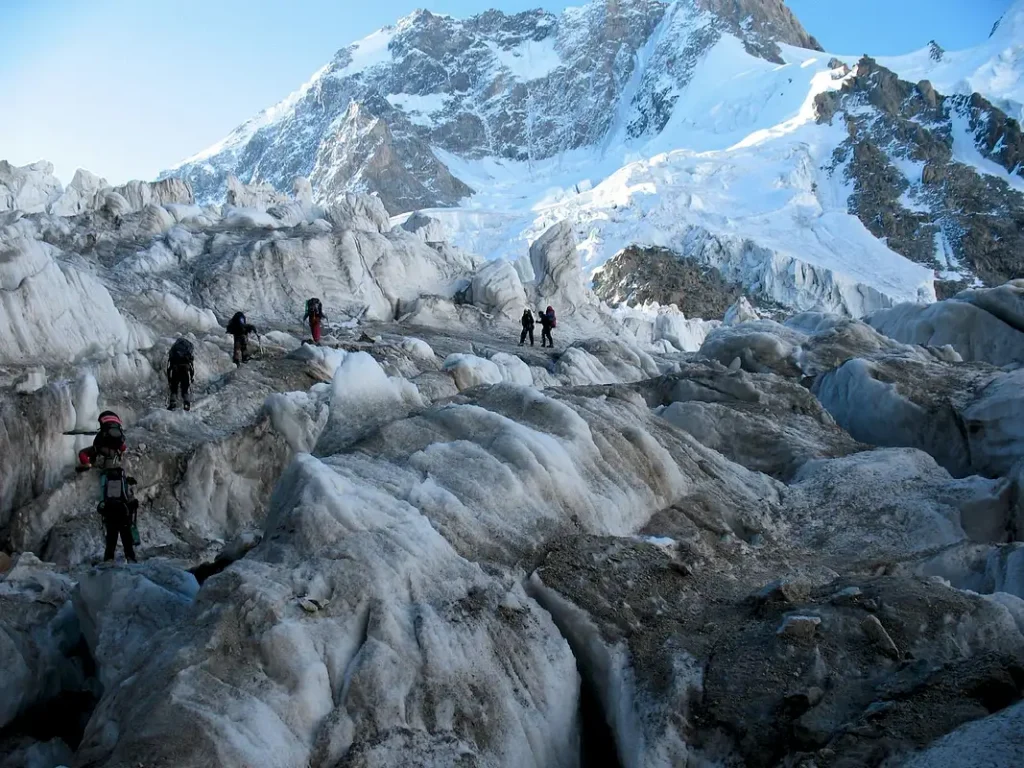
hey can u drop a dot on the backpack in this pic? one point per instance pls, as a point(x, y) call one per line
point(237, 323)
point(110, 439)
point(115, 489)
point(551, 314)
point(314, 308)
point(181, 353)
point(116, 496)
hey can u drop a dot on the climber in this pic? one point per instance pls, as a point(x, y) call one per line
point(240, 329)
point(314, 313)
point(118, 509)
point(547, 322)
point(527, 327)
point(108, 447)
point(181, 372)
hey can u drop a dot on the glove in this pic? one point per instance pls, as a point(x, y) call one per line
point(82, 468)
point(131, 481)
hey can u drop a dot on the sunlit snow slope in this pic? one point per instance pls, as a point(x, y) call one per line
point(688, 125)
point(738, 178)
point(995, 69)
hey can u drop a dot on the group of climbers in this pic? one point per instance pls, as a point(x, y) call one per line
point(118, 508)
point(547, 322)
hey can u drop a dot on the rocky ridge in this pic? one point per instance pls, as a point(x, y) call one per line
point(909, 158)
point(645, 275)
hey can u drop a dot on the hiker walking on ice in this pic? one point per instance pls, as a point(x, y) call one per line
point(181, 372)
point(118, 507)
point(240, 329)
point(315, 314)
point(547, 322)
point(527, 327)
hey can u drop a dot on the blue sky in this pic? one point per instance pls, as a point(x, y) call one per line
point(126, 88)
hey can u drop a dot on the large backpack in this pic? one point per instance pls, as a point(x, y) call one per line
point(115, 496)
point(237, 323)
point(314, 308)
point(110, 438)
point(551, 314)
point(181, 353)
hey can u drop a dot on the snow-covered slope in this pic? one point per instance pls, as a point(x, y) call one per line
point(995, 69)
point(693, 126)
point(524, 87)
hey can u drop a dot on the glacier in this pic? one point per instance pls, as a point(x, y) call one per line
point(792, 532)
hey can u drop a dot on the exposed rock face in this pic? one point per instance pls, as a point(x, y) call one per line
point(429, 229)
point(522, 87)
point(914, 158)
point(642, 275)
point(761, 25)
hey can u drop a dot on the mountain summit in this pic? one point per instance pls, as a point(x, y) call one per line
point(520, 87)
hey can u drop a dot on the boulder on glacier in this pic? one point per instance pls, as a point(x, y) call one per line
point(895, 503)
point(425, 227)
point(763, 422)
point(762, 346)
point(496, 289)
point(557, 270)
point(985, 325)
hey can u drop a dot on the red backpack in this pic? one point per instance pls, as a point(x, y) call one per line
point(551, 313)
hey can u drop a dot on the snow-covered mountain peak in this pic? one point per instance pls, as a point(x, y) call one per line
point(1011, 23)
point(522, 87)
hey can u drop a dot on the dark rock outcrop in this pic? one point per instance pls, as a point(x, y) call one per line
point(638, 275)
point(912, 187)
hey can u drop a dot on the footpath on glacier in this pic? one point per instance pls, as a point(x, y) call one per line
point(668, 540)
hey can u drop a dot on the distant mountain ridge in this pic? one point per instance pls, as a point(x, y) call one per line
point(520, 87)
point(715, 130)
